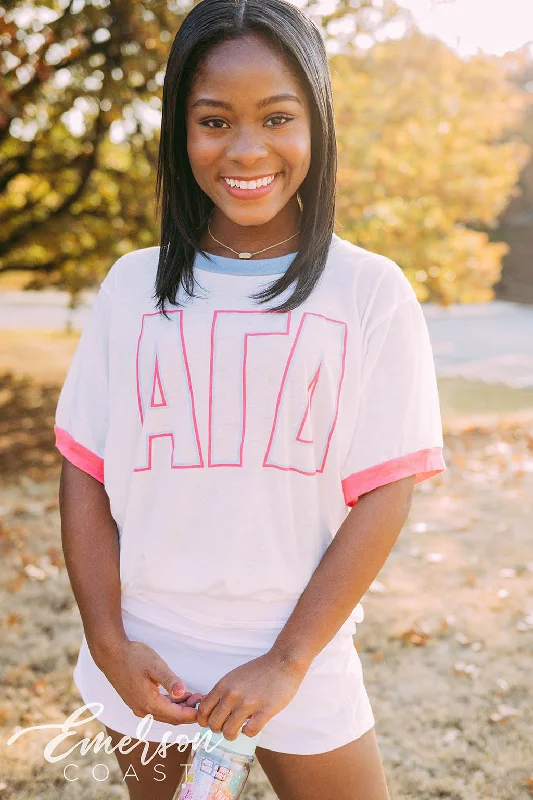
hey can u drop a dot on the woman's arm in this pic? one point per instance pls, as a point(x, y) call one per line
point(350, 564)
point(261, 688)
point(92, 556)
point(91, 548)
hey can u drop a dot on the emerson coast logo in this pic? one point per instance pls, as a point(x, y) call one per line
point(61, 746)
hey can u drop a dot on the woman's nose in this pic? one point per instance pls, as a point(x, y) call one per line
point(246, 145)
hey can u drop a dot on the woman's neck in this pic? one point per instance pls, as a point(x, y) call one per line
point(251, 238)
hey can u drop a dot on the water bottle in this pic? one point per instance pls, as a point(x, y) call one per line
point(217, 769)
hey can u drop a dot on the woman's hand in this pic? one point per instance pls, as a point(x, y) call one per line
point(258, 689)
point(136, 671)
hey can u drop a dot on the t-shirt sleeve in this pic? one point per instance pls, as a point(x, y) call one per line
point(82, 413)
point(398, 428)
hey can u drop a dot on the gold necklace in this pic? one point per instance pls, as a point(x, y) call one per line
point(249, 255)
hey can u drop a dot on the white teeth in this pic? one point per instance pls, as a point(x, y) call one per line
point(250, 184)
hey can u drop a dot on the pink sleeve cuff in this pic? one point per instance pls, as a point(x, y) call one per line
point(79, 455)
point(423, 464)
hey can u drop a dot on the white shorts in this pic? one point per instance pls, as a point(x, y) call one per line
point(330, 708)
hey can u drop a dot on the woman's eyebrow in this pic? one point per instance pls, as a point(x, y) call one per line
point(266, 101)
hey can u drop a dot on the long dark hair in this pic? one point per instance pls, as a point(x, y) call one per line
point(185, 208)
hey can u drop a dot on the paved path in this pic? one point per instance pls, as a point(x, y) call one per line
point(492, 342)
point(485, 341)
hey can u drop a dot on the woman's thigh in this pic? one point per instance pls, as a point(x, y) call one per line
point(351, 772)
point(158, 778)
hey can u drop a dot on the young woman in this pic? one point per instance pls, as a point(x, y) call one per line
point(245, 417)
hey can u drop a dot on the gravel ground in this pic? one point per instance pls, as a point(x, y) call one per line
point(446, 643)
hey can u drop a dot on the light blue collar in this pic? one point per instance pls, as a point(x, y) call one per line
point(243, 266)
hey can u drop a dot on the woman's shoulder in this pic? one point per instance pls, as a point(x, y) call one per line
point(374, 276)
point(138, 267)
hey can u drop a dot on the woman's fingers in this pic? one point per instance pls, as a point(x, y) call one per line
point(207, 704)
point(226, 705)
point(160, 672)
point(176, 707)
point(188, 699)
point(163, 709)
point(182, 698)
point(232, 726)
point(193, 699)
point(257, 722)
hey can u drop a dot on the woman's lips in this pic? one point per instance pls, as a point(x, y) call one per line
point(250, 194)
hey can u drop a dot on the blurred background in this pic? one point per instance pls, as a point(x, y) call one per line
point(434, 117)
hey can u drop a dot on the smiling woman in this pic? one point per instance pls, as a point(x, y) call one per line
point(247, 96)
point(260, 136)
point(243, 422)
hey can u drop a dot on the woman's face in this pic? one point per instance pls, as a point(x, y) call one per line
point(237, 129)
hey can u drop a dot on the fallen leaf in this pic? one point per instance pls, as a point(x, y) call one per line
point(418, 634)
point(462, 668)
point(39, 686)
point(502, 683)
point(419, 527)
point(17, 583)
point(378, 656)
point(27, 558)
point(434, 558)
point(56, 556)
point(508, 573)
point(450, 736)
point(525, 624)
point(443, 626)
point(504, 713)
point(34, 573)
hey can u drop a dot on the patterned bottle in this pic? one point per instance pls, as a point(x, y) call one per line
point(218, 769)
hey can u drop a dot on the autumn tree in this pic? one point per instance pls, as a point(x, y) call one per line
point(80, 98)
point(423, 154)
point(80, 103)
point(428, 158)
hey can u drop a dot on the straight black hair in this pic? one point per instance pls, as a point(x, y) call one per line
point(185, 208)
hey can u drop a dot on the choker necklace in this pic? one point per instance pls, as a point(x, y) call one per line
point(249, 255)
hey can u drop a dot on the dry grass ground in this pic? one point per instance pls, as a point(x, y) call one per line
point(446, 643)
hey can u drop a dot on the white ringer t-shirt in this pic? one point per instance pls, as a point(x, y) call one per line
point(233, 442)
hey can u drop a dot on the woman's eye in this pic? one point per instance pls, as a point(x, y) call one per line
point(280, 116)
point(208, 122)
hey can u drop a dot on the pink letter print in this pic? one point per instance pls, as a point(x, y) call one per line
point(227, 384)
point(308, 408)
point(165, 395)
point(310, 411)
